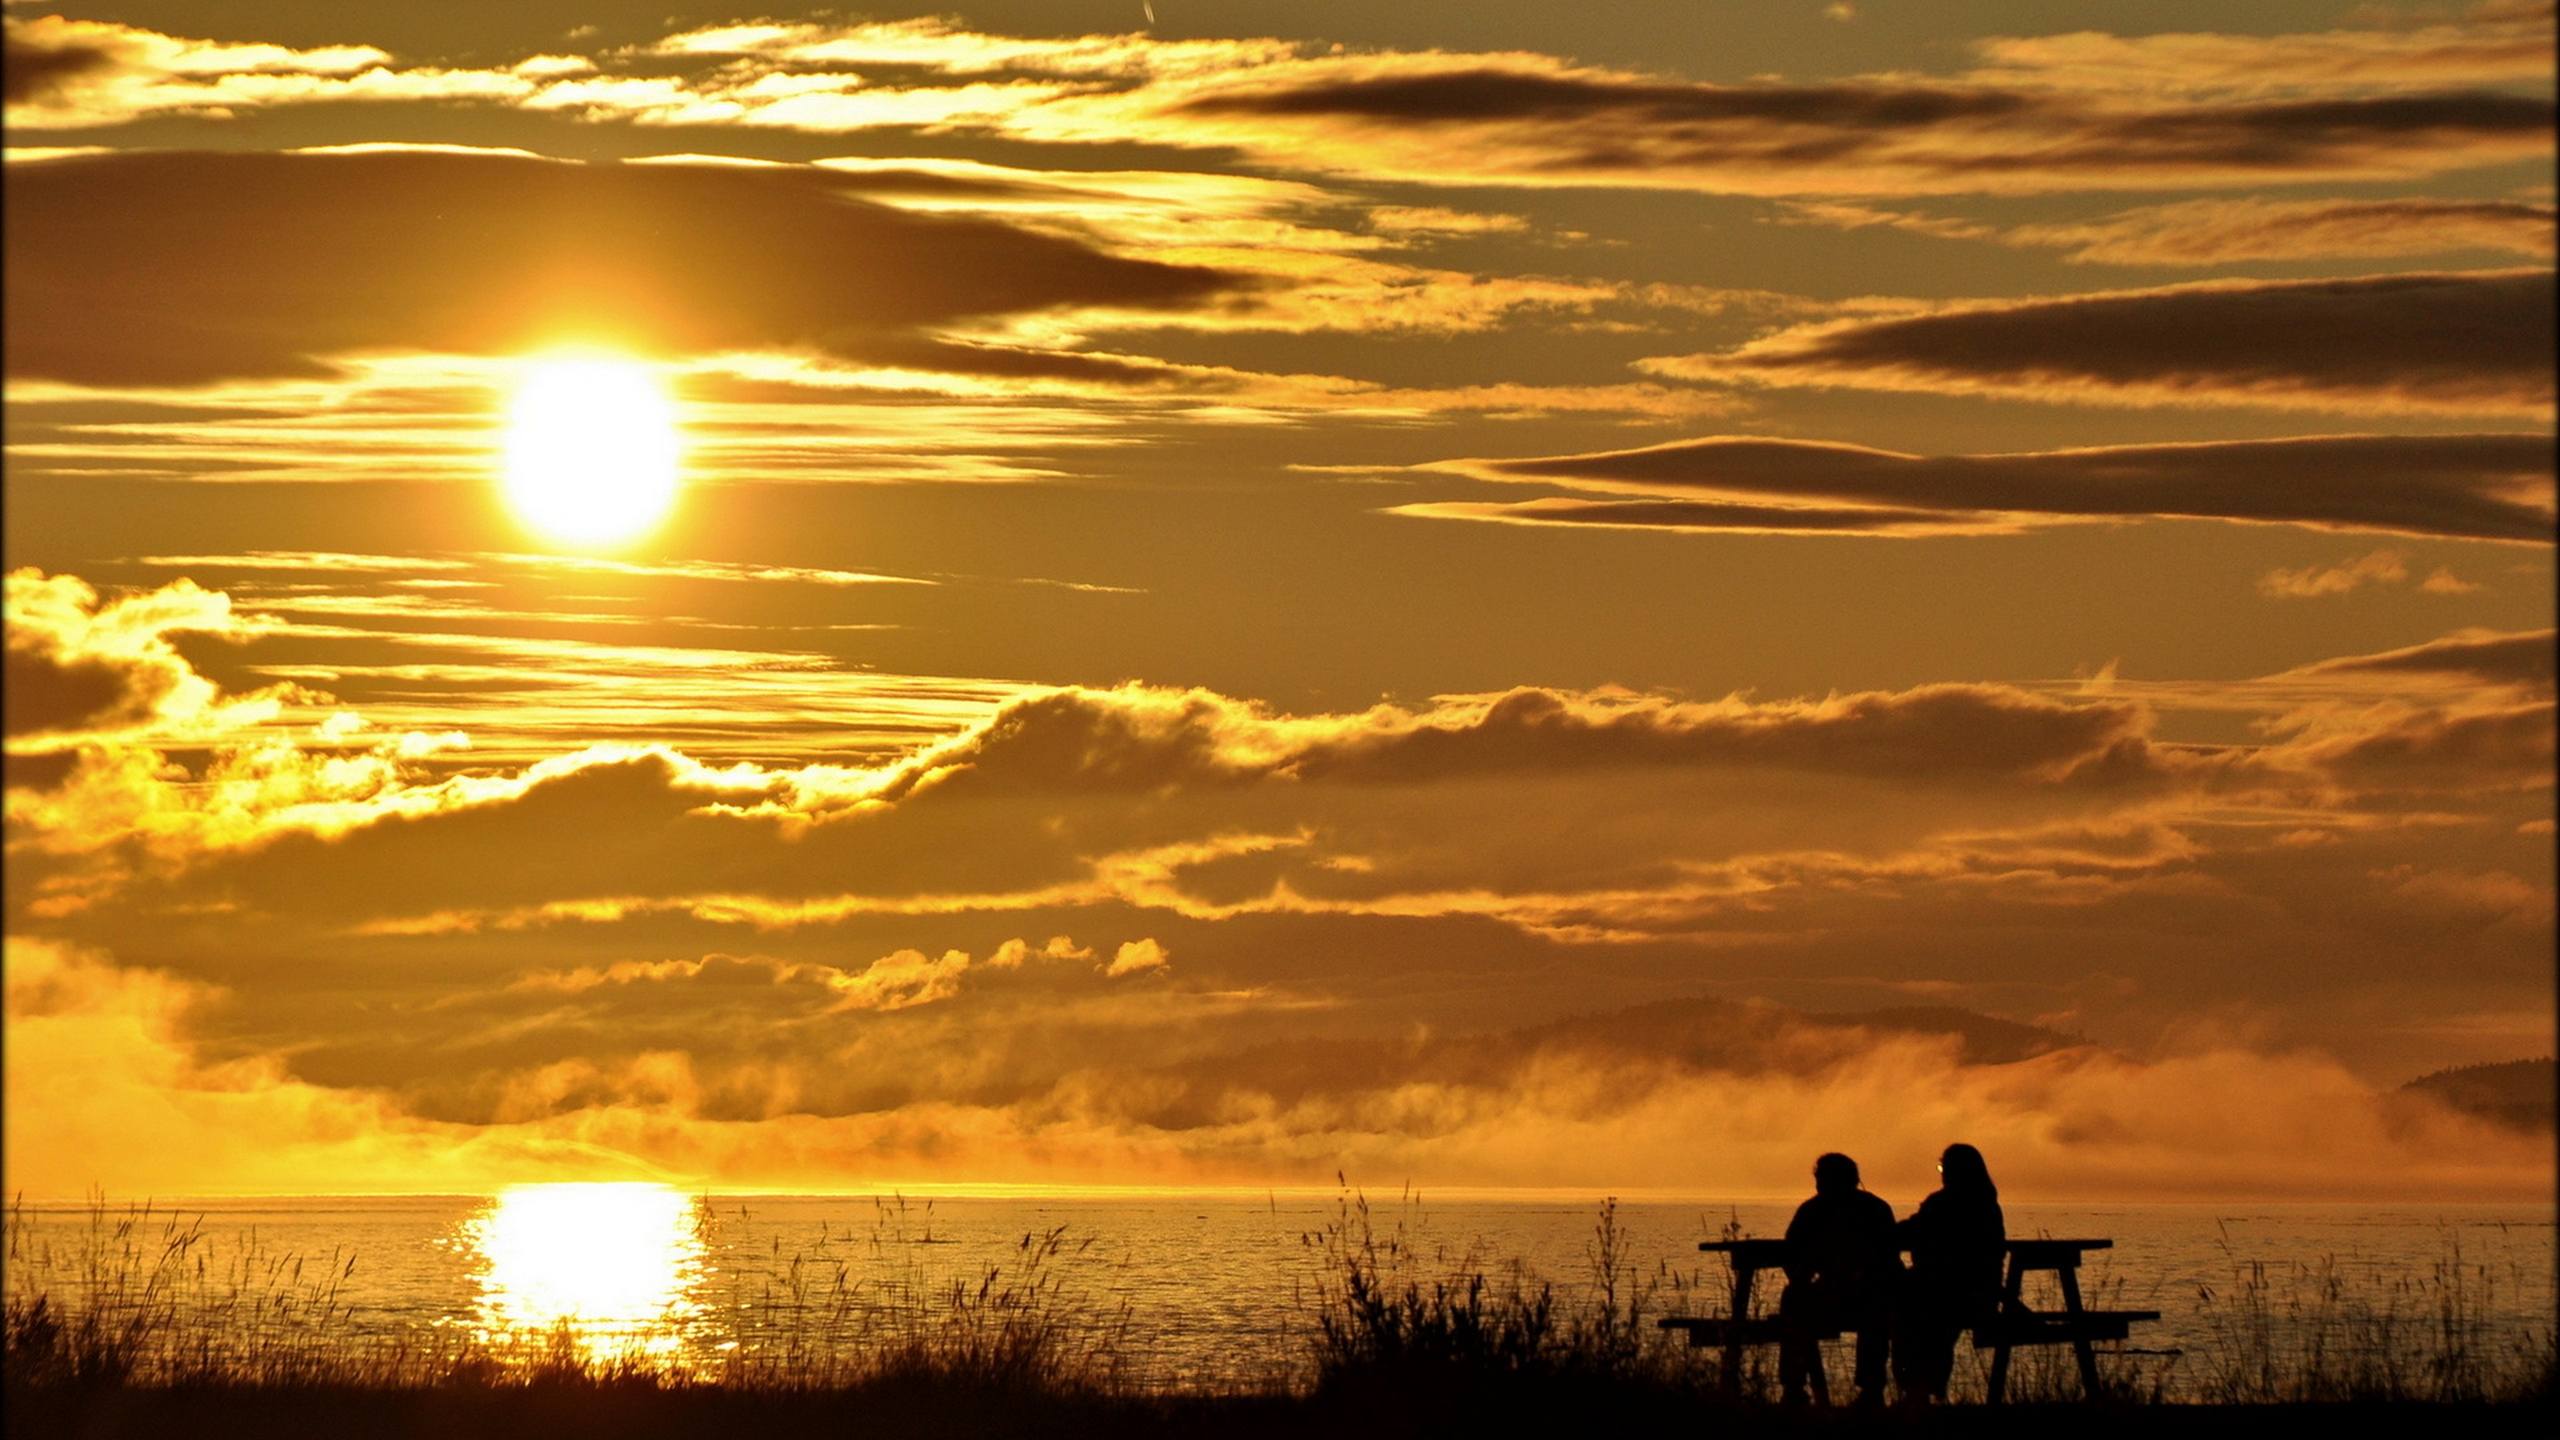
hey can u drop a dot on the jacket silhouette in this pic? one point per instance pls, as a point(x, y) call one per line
point(1843, 1265)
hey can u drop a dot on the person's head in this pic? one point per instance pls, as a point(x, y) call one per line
point(1960, 1167)
point(1834, 1174)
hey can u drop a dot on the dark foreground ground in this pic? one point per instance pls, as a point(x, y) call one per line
point(577, 1412)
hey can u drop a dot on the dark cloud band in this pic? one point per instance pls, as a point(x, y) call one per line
point(286, 258)
point(2458, 342)
point(2481, 487)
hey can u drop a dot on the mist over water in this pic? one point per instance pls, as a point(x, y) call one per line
point(1219, 1290)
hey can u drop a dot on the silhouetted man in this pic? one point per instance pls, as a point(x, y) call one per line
point(1842, 1267)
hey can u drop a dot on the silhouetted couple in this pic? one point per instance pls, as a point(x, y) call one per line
point(1844, 1272)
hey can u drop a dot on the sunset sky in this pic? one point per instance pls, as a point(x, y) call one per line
point(1050, 593)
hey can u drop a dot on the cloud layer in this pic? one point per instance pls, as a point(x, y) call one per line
point(1688, 1098)
point(1250, 872)
point(2037, 114)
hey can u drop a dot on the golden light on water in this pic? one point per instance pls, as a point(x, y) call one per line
point(593, 453)
point(614, 1265)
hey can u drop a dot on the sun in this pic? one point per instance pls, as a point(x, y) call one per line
point(593, 455)
point(614, 1265)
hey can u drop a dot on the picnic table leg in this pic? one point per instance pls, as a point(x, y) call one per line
point(2079, 1334)
point(1733, 1336)
point(2009, 1303)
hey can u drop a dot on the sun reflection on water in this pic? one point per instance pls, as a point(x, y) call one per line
point(616, 1268)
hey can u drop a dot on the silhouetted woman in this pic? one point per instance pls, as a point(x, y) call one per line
point(1958, 1244)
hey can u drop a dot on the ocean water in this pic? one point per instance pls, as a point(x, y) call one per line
point(1214, 1289)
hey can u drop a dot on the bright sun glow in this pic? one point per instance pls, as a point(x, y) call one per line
point(592, 452)
point(616, 1264)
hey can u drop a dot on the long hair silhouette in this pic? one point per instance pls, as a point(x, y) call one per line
point(1960, 1169)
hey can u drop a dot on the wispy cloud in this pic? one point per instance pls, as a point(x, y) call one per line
point(2216, 232)
point(77, 74)
point(2461, 342)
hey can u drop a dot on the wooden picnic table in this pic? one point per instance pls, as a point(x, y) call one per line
point(2015, 1325)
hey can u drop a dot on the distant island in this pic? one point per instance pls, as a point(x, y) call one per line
point(2512, 1092)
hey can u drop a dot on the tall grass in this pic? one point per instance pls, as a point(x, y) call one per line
point(145, 1299)
point(148, 1301)
point(1393, 1311)
point(865, 1310)
point(2297, 1332)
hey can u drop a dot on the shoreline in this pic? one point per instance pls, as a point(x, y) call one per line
point(592, 1407)
point(1580, 1198)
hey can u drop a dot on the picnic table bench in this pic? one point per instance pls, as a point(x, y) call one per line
point(2074, 1324)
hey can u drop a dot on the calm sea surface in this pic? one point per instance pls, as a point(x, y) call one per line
point(1201, 1289)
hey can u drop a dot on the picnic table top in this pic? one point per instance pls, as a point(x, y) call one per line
point(1768, 1249)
